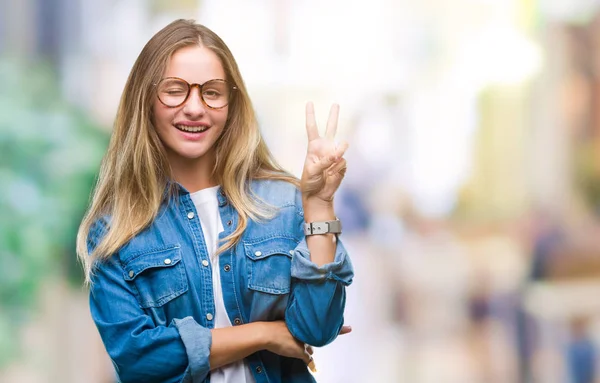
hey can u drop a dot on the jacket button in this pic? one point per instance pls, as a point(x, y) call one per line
point(168, 261)
point(209, 316)
point(131, 274)
point(191, 215)
point(259, 369)
point(237, 321)
point(258, 253)
point(205, 263)
point(229, 223)
point(227, 268)
point(291, 252)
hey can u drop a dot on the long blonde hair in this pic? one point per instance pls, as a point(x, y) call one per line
point(135, 173)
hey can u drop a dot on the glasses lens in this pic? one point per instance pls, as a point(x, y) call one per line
point(172, 92)
point(216, 93)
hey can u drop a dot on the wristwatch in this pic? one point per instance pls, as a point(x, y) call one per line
point(323, 227)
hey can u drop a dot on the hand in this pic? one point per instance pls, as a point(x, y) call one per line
point(281, 342)
point(324, 167)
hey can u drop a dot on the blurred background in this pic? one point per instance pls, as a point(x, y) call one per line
point(471, 205)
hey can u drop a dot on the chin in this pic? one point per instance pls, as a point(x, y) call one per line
point(191, 156)
point(192, 153)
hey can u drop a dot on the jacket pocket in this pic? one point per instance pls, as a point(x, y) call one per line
point(158, 275)
point(269, 264)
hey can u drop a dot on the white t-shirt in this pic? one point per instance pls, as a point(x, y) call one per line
point(207, 207)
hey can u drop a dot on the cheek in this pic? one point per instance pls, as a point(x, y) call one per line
point(161, 116)
point(222, 117)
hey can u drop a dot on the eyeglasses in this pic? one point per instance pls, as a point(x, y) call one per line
point(173, 92)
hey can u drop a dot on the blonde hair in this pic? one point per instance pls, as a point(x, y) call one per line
point(135, 173)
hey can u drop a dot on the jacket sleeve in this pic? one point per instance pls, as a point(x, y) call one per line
point(315, 311)
point(141, 350)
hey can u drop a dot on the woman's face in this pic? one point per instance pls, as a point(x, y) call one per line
point(189, 131)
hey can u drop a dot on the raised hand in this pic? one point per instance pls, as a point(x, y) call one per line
point(324, 167)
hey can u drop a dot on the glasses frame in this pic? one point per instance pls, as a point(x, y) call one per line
point(232, 87)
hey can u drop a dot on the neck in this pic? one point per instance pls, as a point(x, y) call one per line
point(195, 174)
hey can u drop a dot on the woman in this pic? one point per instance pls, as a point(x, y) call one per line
point(195, 245)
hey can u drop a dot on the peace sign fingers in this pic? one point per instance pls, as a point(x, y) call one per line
point(324, 167)
point(312, 130)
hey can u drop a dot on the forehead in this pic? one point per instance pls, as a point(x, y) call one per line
point(195, 64)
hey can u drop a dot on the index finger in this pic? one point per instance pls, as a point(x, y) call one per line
point(311, 124)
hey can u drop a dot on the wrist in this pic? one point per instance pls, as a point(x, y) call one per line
point(316, 209)
point(316, 201)
point(265, 335)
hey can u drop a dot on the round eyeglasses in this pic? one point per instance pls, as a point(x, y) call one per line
point(173, 92)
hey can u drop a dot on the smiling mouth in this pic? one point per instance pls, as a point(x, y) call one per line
point(192, 129)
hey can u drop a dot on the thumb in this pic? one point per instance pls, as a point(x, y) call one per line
point(345, 330)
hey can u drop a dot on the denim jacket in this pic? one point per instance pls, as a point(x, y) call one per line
point(153, 305)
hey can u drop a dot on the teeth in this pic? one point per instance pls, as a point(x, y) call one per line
point(191, 129)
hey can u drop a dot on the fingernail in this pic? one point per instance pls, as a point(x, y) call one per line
point(312, 366)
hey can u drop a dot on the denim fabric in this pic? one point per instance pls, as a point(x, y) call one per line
point(153, 303)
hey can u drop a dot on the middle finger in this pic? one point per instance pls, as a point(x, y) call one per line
point(332, 121)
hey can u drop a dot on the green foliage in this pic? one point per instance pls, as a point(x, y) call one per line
point(49, 156)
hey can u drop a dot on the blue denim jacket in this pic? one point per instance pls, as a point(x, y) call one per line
point(153, 303)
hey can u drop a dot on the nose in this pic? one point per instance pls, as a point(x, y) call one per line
point(193, 105)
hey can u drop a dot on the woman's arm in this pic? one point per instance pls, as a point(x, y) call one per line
point(234, 343)
point(315, 311)
point(321, 269)
point(182, 350)
point(142, 351)
point(231, 344)
point(321, 247)
point(324, 169)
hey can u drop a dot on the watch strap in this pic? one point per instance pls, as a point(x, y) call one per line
point(323, 227)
